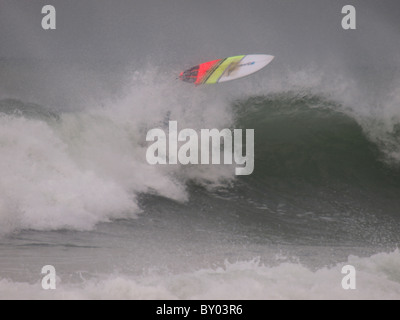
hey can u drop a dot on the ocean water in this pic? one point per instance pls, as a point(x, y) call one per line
point(76, 191)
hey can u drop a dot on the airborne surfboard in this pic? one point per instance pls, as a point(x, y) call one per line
point(226, 69)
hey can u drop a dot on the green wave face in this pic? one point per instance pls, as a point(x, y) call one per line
point(305, 138)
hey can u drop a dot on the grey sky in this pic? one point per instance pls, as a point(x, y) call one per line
point(97, 43)
point(173, 30)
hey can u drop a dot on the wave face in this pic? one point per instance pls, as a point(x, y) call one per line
point(308, 137)
point(315, 167)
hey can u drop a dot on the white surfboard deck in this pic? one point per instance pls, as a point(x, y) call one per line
point(248, 65)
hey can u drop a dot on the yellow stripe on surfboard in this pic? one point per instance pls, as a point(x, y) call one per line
point(217, 74)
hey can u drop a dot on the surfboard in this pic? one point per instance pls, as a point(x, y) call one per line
point(226, 69)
